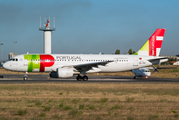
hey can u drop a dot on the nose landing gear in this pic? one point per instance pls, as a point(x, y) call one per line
point(25, 76)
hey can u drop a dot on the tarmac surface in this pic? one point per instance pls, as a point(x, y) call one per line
point(18, 78)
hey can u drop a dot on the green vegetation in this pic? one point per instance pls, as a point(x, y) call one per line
point(144, 101)
point(176, 115)
point(129, 99)
point(9, 88)
point(130, 118)
point(75, 112)
point(173, 111)
point(85, 100)
point(42, 115)
point(153, 117)
point(174, 70)
point(38, 103)
point(131, 52)
point(55, 116)
point(47, 108)
point(3, 109)
point(67, 107)
point(117, 51)
point(21, 112)
point(81, 106)
point(75, 101)
point(91, 107)
point(104, 100)
point(61, 105)
point(51, 100)
point(116, 107)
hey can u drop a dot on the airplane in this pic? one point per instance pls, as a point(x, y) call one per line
point(67, 65)
point(145, 72)
point(141, 72)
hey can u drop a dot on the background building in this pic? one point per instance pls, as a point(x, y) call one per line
point(11, 55)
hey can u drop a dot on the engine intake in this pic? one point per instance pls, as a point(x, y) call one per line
point(62, 73)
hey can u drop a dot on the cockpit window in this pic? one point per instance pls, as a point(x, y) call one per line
point(14, 59)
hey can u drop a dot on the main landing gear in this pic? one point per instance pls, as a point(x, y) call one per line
point(25, 76)
point(80, 78)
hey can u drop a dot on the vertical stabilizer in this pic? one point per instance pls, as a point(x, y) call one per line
point(153, 45)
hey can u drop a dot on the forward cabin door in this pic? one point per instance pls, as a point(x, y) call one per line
point(26, 62)
point(135, 61)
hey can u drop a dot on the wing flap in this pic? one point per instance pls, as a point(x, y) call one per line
point(88, 66)
point(95, 64)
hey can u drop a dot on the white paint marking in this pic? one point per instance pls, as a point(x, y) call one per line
point(159, 38)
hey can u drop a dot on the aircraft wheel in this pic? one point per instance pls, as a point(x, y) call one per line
point(79, 78)
point(85, 78)
point(25, 78)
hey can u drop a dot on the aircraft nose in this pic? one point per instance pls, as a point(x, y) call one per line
point(5, 65)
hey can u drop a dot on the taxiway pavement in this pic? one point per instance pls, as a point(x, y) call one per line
point(18, 78)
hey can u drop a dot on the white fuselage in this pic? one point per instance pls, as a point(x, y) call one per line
point(118, 62)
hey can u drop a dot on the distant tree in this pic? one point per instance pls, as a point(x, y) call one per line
point(172, 59)
point(117, 51)
point(130, 51)
point(133, 52)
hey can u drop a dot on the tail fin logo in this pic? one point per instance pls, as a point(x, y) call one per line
point(155, 42)
point(153, 46)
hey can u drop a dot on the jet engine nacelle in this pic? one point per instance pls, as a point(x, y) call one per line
point(62, 73)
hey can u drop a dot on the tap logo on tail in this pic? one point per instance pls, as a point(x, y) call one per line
point(153, 45)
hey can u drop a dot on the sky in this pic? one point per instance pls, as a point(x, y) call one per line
point(87, 26)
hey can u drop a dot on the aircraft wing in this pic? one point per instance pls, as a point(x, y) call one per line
point(88, 66)
point(95, 64)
